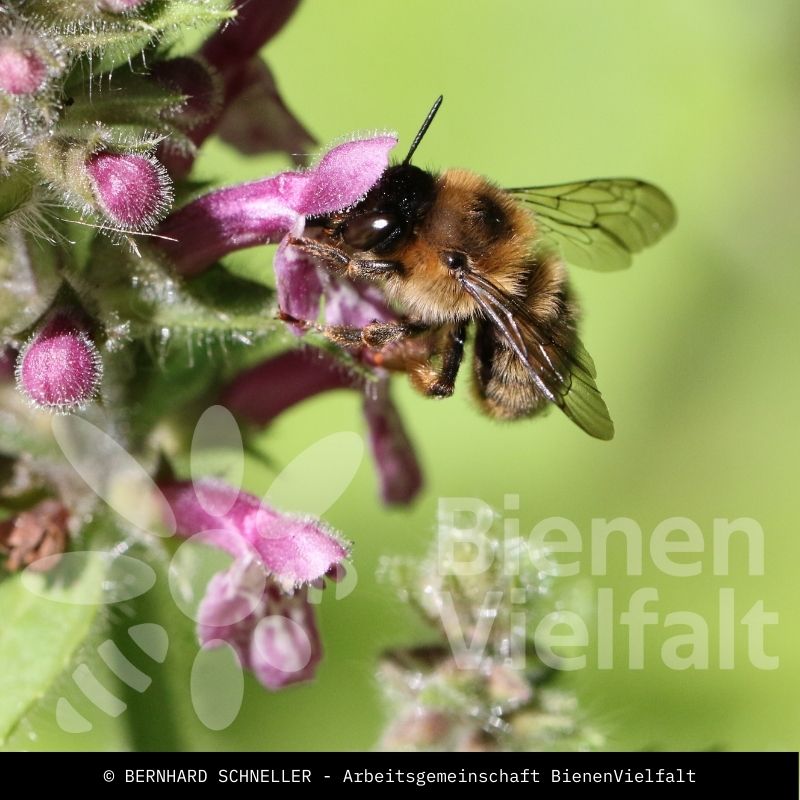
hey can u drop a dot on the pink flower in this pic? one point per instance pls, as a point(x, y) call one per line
point(261, 393)
point(263, 211)
point(295, 550)
point(251, 115)
point(59, 367)
point(241, 39)
point(274, 633)
point(260, 604)
point(267, 211)
point(399, 472)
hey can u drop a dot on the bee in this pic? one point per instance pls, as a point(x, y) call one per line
point(453, 251)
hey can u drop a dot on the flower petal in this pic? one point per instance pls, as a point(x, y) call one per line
point(231, 596)
point(354, 304)
point(286, 647)
point(273, 632)
point(229, 219)
point(254, 25)
point(399, 473)
point(261, 393)
point(298, 282)
point(257, 120)
point(345, 174)
point(295, 550)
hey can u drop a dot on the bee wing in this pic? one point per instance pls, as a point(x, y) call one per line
point(566, 377)
point(599, 223)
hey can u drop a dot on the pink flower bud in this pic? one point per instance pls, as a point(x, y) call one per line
point(193, 79)
point(59, 367)
point(132, 189)
point(120, 6)
point(299, 282)
point(23, 65)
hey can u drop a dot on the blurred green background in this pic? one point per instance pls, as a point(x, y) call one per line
point(694, 344)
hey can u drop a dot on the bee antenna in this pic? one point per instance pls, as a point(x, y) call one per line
point(424, 129)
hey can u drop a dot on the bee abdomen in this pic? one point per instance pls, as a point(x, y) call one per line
point(502, 384)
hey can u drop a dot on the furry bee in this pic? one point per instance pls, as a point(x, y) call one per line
point(453, 250)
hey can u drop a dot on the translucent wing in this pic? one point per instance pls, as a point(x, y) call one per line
point(565, 376)
point(599, 223)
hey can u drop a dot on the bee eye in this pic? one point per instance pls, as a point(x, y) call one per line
point(367, 231)
point(454, 260)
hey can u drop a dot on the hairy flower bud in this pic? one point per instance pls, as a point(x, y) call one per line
point(197, 82)
point(27, 61)
point(120, 6)
point(22, 71)
point(59, 367)
point(132, 189)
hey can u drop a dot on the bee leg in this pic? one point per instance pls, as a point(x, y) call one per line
point(340, 334)
point(324, 252)
point(367, 270)
point(379, 334)
point(375, 335)
point(356, 268)
point(442, 383)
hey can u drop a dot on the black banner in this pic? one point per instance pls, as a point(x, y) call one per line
point(678, 775)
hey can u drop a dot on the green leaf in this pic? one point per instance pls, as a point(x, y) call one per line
point(109, 41)
point(44, 625)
